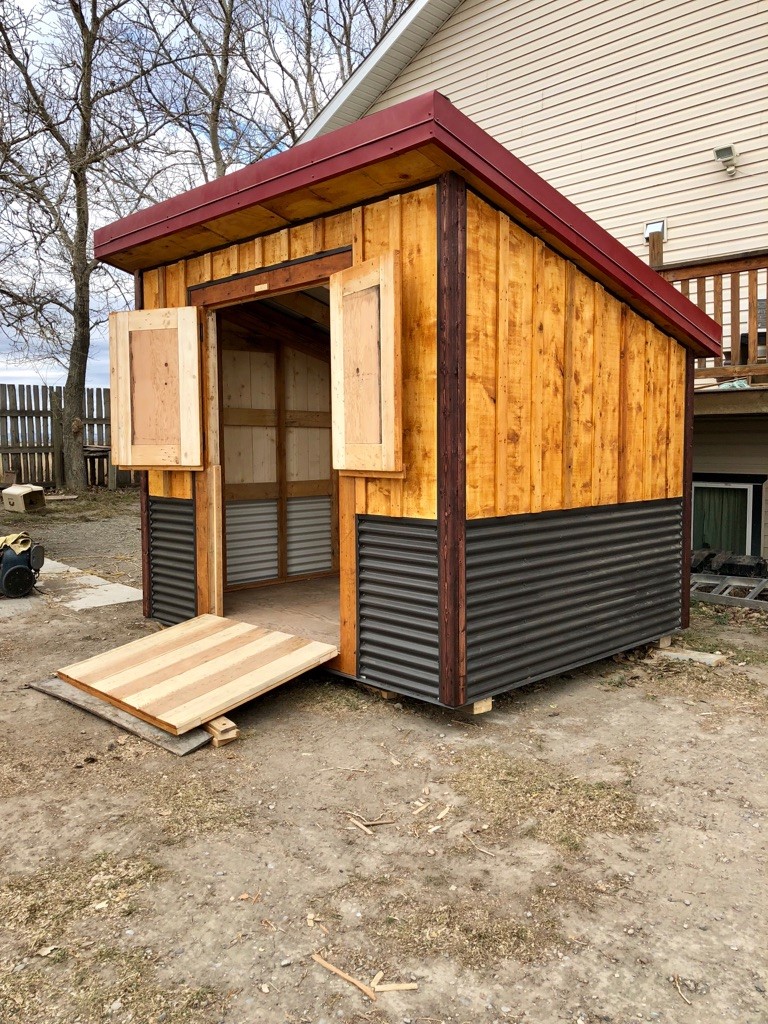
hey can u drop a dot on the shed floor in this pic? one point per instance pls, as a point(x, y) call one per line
point(307, 608)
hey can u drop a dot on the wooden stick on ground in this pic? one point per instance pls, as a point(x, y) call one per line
point(365, 989)
point(480, 848)
point(676, 979)
point(360, 825)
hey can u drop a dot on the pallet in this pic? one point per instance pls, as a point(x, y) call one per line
point(721, 587)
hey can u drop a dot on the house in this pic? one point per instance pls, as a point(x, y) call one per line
point(650, 117)
point(390, 388)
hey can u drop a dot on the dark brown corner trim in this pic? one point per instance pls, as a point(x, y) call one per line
point(690, 374)
point(451, 436)
point(146, 592)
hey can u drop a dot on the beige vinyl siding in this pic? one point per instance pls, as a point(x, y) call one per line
point(734, 444)
point(619, 105)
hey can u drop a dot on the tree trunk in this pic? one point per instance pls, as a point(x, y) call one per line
point(74, 389)
point(74, 459)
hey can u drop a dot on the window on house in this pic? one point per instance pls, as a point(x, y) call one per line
point(727, 514)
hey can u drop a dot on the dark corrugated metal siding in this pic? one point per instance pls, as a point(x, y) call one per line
point(172, 559)
point(310, 535)
point(397, 605)
point(556, 590)
point(251, 541)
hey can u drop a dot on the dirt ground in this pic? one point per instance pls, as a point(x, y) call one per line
point(594, 850)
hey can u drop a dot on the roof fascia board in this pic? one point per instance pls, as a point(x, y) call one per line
point(407, 37)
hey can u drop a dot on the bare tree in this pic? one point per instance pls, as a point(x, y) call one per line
point(249, 75)
point(106, 105)
point(73, 122)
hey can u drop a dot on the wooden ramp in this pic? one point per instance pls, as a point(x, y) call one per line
point(190, 673)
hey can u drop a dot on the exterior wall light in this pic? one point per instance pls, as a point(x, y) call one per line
point(727, 157)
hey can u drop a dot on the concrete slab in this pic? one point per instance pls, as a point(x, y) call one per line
point(71, 587)
point(98, 596)
point(53, 568)
point(16, 608)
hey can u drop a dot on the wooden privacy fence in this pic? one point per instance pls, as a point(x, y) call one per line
point(31, 435)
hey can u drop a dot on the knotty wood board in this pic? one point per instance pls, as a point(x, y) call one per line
point(190, 673)
point(573, 399)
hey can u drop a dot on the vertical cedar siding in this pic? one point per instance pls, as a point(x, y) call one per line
point(406, 222)
point(451, 433)
point(572, 399)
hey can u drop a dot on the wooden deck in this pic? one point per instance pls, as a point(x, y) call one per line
point(305, 608)
point(190, 673)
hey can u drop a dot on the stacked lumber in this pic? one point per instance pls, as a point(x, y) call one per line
point(223, 730)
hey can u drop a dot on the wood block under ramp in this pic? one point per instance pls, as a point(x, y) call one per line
point(188, 674)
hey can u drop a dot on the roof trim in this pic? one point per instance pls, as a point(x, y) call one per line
point(428, 120)
point(391, 55)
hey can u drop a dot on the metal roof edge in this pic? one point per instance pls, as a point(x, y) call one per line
point(410, 33)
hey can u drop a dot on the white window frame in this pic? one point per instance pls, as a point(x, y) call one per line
point(728, 486)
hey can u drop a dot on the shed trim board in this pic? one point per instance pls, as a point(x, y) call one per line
point(448, 140)
point(451, 434)
point(690, 378)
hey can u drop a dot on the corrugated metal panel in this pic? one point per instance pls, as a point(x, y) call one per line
point(557, 84)
point(556, 590)
point(251, 541)
point(309, 535)
point(398, 606)
point(172, 559)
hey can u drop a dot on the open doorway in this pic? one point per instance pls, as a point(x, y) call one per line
point(280, 507)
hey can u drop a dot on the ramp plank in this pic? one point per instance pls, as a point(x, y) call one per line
point(190, 673)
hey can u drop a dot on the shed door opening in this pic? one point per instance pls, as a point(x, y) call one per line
point(279, 488)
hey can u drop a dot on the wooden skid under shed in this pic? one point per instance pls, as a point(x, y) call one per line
point(188, 674)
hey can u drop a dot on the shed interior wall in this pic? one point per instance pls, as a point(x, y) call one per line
point(573, 400)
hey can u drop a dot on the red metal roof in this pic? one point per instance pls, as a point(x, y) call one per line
point(428, 120)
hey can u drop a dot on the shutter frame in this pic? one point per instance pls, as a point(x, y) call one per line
point(180, 446)
point(349, 392)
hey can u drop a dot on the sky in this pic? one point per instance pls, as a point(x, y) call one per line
point(49, 372)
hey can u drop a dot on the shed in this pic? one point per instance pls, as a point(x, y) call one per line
point(395, 393)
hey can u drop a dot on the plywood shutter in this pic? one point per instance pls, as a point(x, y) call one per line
point(365, 366)
point(155, 376)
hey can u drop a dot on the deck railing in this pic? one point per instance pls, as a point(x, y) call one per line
point(732, 291)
